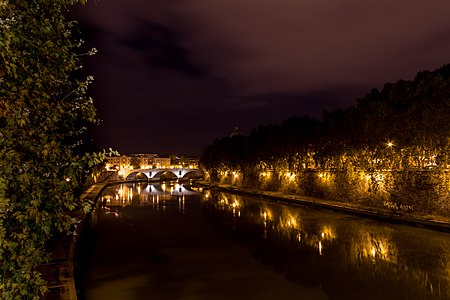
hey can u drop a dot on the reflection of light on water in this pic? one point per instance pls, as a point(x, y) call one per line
point(292, 223)
point(266, 214)
point(372, 247)
point(327, 233)
point(289, 222)
point(224, 200)
point(369, 251)
point(232, 204)
point(180, 204)
point(373, 251)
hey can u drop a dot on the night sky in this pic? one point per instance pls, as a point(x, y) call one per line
point(173, 75)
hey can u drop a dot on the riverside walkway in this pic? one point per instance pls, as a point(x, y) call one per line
point(59, 272)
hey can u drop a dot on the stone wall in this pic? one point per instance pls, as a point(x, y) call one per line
point(426, 192)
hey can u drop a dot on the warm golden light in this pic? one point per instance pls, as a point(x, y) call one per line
point(290, 176)
point(267, 215)
point(292, 223)
point(327, 233)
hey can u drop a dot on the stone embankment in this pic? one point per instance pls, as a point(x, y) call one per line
point(429, 221)
point(59, 272)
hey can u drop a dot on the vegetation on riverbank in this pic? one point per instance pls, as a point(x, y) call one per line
point(390, 150)
point(44, 112)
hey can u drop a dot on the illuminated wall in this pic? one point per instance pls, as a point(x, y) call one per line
point(414, 191)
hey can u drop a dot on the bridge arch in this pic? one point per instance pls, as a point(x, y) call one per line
point(165, 173)
point(136, 176)
point(191, 173)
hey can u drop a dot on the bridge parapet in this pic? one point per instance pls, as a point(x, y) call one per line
point(157, 172)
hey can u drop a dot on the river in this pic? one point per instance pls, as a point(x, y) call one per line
point(170, 242)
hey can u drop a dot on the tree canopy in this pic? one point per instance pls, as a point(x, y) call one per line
point(44, 111)
point(411, 116)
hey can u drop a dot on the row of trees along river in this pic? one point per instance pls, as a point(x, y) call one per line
point(390, 150)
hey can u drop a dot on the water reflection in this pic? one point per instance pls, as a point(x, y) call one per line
point(144, 194)
point(343, 254)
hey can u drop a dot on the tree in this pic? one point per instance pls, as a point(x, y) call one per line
point(43, 112)
point(136, 162)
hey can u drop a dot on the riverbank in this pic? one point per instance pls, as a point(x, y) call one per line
point(428, 221)
point(59, 272)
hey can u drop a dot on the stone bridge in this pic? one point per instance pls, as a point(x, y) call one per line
point(178, 173)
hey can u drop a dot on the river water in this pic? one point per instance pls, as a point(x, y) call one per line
point(169, 242)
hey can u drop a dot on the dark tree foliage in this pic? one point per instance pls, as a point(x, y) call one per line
point(44, 111)
point(413, 115)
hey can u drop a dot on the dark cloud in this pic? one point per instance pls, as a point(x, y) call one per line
point(186, 72)
point(161, 48)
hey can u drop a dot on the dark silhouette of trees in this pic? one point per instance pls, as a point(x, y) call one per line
point(406, 123)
